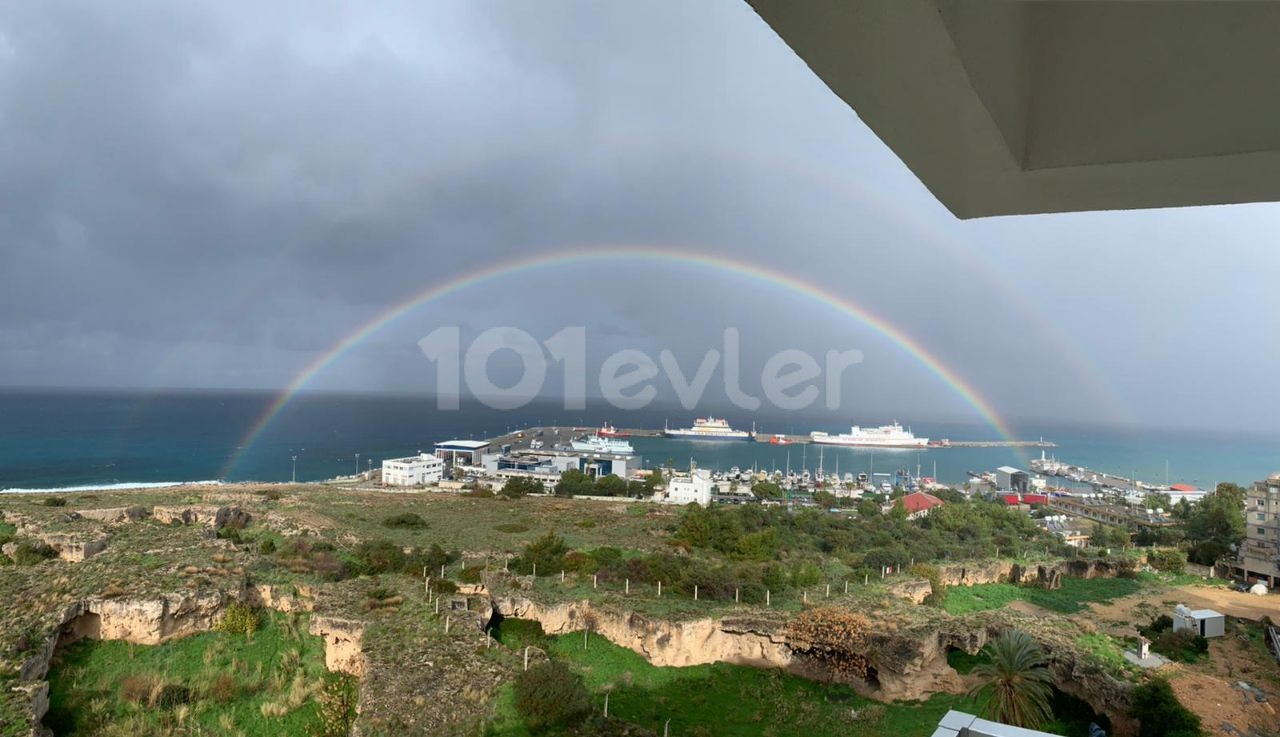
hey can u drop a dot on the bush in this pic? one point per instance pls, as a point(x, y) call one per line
point(267, 547)
point(380, 556)
point(239, 619)
point(511, 528)
point(549, 695)
point(546, 554)
point(518, 486)
point(1168, 561)
point(1183, 646)
point(1159, 712)
point(938, 593)
point(405, 521)
point(55, 501)
point(30, 552)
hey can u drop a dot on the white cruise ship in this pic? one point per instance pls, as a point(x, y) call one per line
point(709, 428)
point(885, 436)
point(598, 444)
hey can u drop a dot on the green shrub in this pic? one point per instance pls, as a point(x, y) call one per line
point(30, 552)
point(1168, 561)
point(171, 695)
point(239, 619)
point(511, 527)
point(1159, 712)
point(938, 590)
point(518, 486)
point(55, 501)
point(405, 521)
point(380, 556)
point(267, 547)
point(549, 695)
point(1183, 646)
point(546, 554)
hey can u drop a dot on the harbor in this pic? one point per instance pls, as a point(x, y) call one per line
point(564, 434)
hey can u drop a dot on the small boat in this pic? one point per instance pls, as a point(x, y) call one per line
point(609, 431)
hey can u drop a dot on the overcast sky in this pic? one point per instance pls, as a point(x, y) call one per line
point(211, 194)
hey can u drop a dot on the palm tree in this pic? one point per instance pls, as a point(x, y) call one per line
point(1016, 681)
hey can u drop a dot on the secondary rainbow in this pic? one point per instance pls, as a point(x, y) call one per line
point(639, 253)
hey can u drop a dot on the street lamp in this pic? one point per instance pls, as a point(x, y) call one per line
point(295, 470)
point(357, 464)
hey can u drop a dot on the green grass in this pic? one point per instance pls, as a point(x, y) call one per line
point(1109, 651)
point(235, 683)
point(719, 699)
point(1073, 597)
point(964, 663)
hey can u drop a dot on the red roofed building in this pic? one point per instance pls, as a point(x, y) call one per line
point(919, 503)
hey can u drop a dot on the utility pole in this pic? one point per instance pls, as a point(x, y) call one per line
point(294, 477)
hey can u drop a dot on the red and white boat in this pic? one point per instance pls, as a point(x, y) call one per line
point(609, 431)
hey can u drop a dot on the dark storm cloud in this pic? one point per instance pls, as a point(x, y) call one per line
point(213, 194)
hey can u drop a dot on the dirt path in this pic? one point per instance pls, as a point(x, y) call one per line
point(1145, 604)
point(1217, 701)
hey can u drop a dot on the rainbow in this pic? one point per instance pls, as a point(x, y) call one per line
point(660, 254)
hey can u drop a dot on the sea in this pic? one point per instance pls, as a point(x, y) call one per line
point(82, 440)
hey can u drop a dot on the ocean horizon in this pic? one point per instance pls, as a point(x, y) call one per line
point(82, 440)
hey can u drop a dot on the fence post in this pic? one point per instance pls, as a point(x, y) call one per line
point(659, 589)
point(828, 594)
point(767, 594)
point(526, 657)
point(447, 620)
point(628, 586)
point(804, 596)
point(595, 580)
point(695, 592)
point(561, 575)
point(606, 704)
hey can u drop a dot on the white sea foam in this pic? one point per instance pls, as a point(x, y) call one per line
point(111, 487)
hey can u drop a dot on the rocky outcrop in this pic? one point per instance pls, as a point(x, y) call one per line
point(297, 598)
point(115, 515)
point(207, 515)
point(995, 571)
point(343, 644)
point(73, 547)
point(742, 640)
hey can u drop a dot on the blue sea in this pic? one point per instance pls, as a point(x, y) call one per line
point(83, 439)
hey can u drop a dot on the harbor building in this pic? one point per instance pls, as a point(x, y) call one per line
point(1009, 478)
point(1260, 554)
point(686, 488)
point(418, 470)
point(547, 465)
point(461, 452)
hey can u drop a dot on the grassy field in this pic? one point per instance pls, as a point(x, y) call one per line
point(266, 684)
point(721, 699)
point(1073, 596)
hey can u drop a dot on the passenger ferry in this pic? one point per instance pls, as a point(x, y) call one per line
point(885, 436)
point(598, 444)
point(709, 428)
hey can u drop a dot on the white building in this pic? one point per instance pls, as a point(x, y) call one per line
point(423, 468)
point(685, 488)
point(961, 724)
point(1203, 622)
